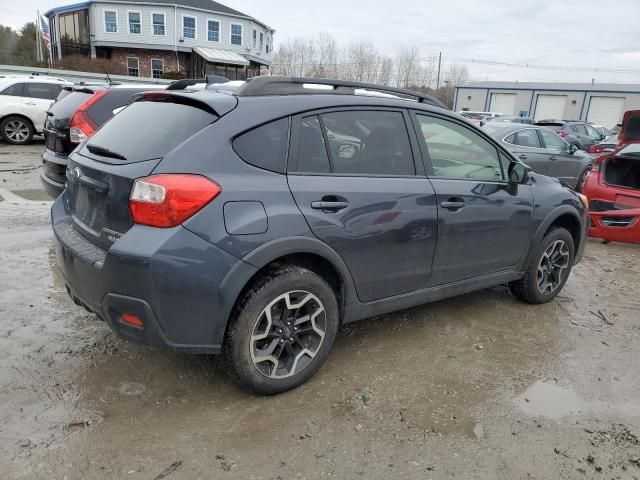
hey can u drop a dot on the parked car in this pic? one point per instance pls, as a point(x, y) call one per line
point(24, 101)
point(580, 134)
point(608, 145)
point(252, 223)
point(544, 151)
point(73, 119)
point(613, 187)
point(479, 118)
point(513, 119)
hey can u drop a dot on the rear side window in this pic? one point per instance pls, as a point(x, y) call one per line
point(265, 146)
point(14, 90)
point(524, 138)
point(45, 91)
point(64, 108)
point(147, 130)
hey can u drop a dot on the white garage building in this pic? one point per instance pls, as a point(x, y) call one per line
point(603, 104)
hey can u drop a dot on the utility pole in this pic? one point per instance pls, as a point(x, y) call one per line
point(439, 65)
point(39, 53)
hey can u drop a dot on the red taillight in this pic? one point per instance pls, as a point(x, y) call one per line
point(81, 126)
point(168, 200)
point(132, 320)
point(595, 149)
point(562, 133)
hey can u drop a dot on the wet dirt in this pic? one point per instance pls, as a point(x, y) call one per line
point(479, 386)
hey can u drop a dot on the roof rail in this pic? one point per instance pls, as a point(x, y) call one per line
point(267, 85)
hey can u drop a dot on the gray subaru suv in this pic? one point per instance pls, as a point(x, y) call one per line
point(253, 222)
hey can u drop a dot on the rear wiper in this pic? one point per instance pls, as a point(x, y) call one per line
point(105, 152)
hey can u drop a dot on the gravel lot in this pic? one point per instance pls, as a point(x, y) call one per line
point(479, 386)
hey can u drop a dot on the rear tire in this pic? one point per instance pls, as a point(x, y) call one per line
point(281, 330)
point(548, 270)
point(16, 130)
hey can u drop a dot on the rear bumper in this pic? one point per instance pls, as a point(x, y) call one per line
point(52, 175)
point(616, 225)
point(172, 279)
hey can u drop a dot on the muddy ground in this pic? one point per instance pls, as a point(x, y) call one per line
point(479, 386)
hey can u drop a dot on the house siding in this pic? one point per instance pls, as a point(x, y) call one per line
point(172, 37)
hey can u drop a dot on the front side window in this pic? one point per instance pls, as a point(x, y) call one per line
point(189, 27)
point(134, 23)
point(457, 152)
point(14, 90)
point(524, 138)
point(236, 34)
point(157, 67)
point(158, 24)
point(265, 146)
point(552, 141)
point(213, 30)
point(110, 21)
point(133, 67)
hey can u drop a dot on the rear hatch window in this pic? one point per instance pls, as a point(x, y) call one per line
point(56, 129)
point(144, 131)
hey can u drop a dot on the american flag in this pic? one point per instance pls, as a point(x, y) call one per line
point(44, 31)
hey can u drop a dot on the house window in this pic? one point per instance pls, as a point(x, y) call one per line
point(157, 67)
point(261, 40)
point(134, 23)
point(236, 34)
point(133, 67)
point(267, 46)
point(255, 36)
point(158, 23)
point(110, 21)
point(213, 30)
point(189, 27)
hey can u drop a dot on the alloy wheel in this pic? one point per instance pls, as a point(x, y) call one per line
point(17, 131)
point(288, 334)
point(552, 267)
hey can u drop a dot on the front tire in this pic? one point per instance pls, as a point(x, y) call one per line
point(548, 270)
point(281, 331)
point(16, 130)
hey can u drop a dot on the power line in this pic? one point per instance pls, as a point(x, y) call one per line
point(541, 67)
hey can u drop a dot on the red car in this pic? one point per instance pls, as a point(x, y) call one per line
point(613, 187)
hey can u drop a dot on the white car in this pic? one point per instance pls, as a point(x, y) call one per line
point(24, 101)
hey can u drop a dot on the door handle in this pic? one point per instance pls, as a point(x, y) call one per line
point(453, 204)
point(29, 103)
point(329, 206)
point(522, 157)
point(553, 157)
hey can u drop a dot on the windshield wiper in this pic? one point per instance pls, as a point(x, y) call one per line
point(105, 152)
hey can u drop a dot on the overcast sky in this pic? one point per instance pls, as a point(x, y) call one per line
point(570, 33)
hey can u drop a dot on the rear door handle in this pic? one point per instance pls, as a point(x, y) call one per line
point(29, 103)
point(329, 206)
point(452, 204)
point(522, 157)
point(553, 157)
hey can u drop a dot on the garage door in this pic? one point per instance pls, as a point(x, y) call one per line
point(503, 103)
point(606, 111)
point(550, 107)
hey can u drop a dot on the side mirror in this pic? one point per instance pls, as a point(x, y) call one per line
point(518, 172)
point(572, 149)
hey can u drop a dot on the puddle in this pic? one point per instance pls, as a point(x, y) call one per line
point(33, 194)
point(551, 401)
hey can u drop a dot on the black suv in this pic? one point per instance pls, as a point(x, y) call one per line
point(78, 112)
point(254, 223)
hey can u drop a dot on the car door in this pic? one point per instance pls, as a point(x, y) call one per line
point(353, 175)
point(36, 100)
point(484, 222)
point(525, 145)
point(563, 164)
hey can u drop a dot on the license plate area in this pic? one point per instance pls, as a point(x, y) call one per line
point(88, 208)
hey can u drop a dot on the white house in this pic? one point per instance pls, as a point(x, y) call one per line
point(149, 37)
